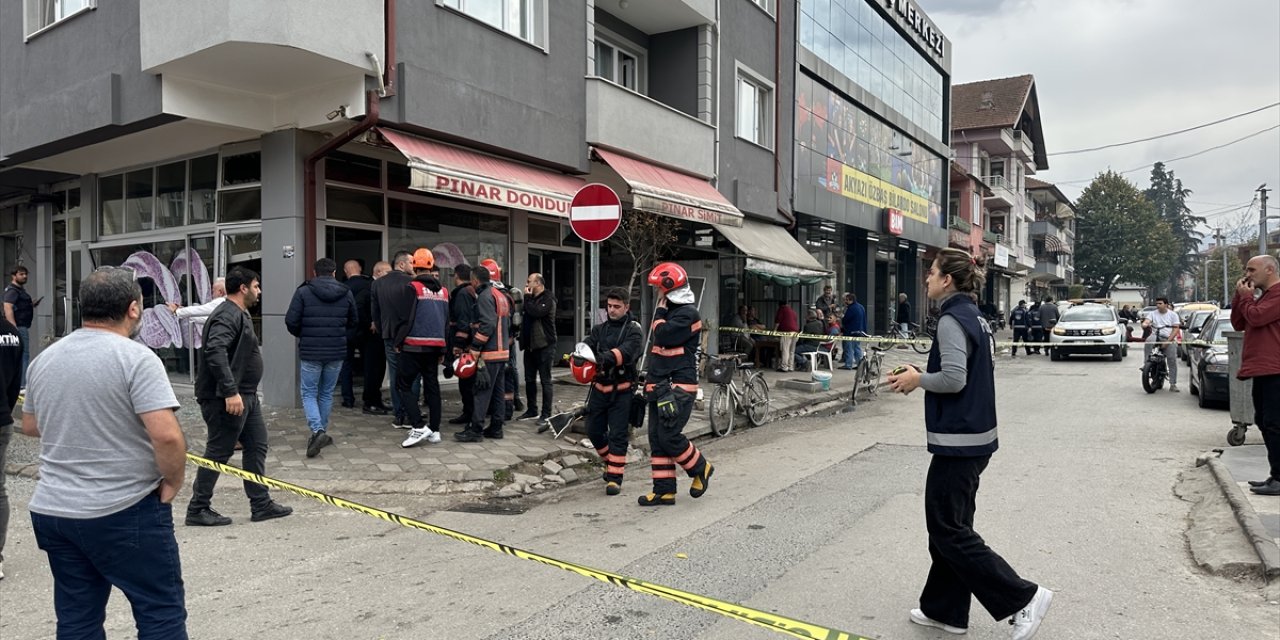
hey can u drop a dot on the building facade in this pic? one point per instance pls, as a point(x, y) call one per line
point(286, 131)
point(872, 140)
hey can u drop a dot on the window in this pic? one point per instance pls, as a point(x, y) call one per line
point(619, 65)
point(755, 109)
point(41, 14)
point(523, 19)
point(767, 5)
point(975, 201)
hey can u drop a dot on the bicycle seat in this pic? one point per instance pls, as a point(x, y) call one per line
point(878, 348)
point(746, 365)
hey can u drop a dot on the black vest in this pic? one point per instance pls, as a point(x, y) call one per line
point(964, 423)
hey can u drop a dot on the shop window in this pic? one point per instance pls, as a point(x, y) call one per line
point(240, 206)
point(242, 169)
point(399, 177)
point(353, 206)
point(42, 14)
point(204, 185)
point(544, 232)
point(755, 109)
point(59, 278)
point(353, 169)
point(171, 191)
point(455, 236)
point(523, 19)
point(111, 197)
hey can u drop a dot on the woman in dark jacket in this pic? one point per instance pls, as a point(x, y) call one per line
point(960, 417)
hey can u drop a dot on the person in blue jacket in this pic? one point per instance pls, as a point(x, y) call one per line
point(960, 419)
point(854, 323)
point(322, 315)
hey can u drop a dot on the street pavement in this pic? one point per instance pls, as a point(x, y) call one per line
point(816, 518)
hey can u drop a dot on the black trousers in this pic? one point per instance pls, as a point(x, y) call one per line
point(467, 389)
point(963, 565)
point(1020, 335)
point(608, 415)
point(1266, 414)
point(489, 402)
point(537, 362)
point(668, 447)
point(374, 358)
point(410, 365)
point(225, 430)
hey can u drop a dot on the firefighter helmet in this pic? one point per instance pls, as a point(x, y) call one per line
point(495, 272)
point(583, 363)
point(424, 259)
point(668, 276)
point(465, 366)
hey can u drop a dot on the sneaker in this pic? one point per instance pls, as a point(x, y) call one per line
point(493, 434)
point(433, 437)
point(654, 500)
point(270, 512)
point(1173, 388)
point(468, 436)
point(206, 518)
point(918, 617)
point(319, 440)
point(418, 434)
point(401, 422)
point(1027, 622)
point(612, 489)
point(348, 404)
point(370, 410)
point(544, 424)
point(531, 413)
point(1, 571)
point(701, 482)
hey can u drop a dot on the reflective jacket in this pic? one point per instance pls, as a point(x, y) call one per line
point(618, 345)
point(491, 331)
point(676, 332)
point(428, 327)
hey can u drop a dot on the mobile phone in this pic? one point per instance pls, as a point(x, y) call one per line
point(899, 370)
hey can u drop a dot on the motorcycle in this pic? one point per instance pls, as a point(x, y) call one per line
point(1155, 370)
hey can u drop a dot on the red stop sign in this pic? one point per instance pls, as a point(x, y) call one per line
point(595, 212)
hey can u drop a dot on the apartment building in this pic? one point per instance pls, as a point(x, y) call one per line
point(279, 132)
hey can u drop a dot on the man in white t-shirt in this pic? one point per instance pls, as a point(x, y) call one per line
point(1166, 327)
point(197, 314)
point(112, 457)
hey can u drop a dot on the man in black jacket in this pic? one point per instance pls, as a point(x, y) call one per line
point(367, 342)
point(226, 388)
point(462, 313)
point(391, 309)
point(10, 384)
point(321, 315)
point(617, 344)
point(538, 342)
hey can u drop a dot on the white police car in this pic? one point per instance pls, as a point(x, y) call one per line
point(1088, 328)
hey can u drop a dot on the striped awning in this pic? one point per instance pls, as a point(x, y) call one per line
point(1054, 244)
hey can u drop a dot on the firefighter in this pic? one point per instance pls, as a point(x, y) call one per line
point(608, 363)
point(490, 343)
point(671, 385)
point(511, 373)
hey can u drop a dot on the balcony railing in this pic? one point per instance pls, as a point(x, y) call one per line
point(960, 224)
point(988, 236)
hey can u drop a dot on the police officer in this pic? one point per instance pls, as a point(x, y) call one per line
point(1034, 328)
point(617, 344)
point(671, 385)
point(1020, 320)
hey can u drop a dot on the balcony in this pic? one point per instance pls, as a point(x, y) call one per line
point(958, 239)
point(1048, 270)
point(650, 129)
point(990, 237)
point(1002, 195)
point(662, 16)
point(1022, 148)
point(261, 65)
point(960, 224)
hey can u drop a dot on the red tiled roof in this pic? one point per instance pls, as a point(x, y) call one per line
point(989, 103)
point(1033, 183)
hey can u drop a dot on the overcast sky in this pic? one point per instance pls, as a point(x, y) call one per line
point(1115, 70)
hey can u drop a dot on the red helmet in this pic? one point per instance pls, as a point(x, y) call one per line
point(582, 363)
point(465, 366)
point(424, 259)
point(495, 272)
point(668, 276)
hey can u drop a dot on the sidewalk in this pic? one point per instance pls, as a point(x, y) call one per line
point(1259, 516)
point(366, 456)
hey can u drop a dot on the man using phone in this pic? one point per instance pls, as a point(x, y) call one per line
point(1259, 319)
point(19, 310)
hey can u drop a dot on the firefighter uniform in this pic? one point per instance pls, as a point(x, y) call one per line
point(671, 386)
point(491, 337)
point(617, 346)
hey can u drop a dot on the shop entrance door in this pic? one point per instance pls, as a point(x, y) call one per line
point(243, 248)
point(343, 243)
point(564, 281)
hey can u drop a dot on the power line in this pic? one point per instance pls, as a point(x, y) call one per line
point(1165, 135)
point(1190, 155)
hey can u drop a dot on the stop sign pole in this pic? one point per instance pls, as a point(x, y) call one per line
point(595, 214)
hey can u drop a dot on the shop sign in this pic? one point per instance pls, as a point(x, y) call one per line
point(894, 221)
point(914, 19)
point(1002, 256)
point(683, 211)
point(868, 189)
point(499, 195)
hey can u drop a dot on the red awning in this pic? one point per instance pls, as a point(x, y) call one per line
point(462, 173)
point(670, 193)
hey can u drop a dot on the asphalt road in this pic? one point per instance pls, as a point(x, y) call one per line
point(818, 519)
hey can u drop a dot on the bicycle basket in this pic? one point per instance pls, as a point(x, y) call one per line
point(721, 370)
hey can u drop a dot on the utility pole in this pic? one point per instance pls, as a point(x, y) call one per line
point(1217, 234)
point(1262, 221)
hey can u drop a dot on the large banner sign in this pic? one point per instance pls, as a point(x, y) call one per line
point(856, 185)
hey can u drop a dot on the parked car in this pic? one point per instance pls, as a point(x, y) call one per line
point(1209, 362)
point(1089, 329)
point(1191, 328)
point(1146, 311)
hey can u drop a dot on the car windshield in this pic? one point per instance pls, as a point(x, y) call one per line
point(1214, 333)
point(1088, 314)
point(1198, 318)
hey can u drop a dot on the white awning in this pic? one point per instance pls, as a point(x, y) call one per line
point(771, 250)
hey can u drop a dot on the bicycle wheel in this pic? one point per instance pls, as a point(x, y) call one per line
point(892, 335)
point(922, 343)
point(757, 400)
point(721, 410)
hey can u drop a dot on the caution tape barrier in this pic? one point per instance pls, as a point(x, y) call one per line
point(781, 624)
point(927, 340)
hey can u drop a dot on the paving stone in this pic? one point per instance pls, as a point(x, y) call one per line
point(523, 478)
point(477, 474)
point(569, 475)
point(509, 491)
point(572, 460)
point(389, 468)
point(554, 479)
point(465, 456)
point(530, 455)
point(551, 466)
point(457, 467)
point(359, 461)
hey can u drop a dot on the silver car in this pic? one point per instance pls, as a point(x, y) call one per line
point(1093, 329)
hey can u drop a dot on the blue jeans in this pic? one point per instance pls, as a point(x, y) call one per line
point(25, 334)
point(317, 379)
point(396, 407)
point(133, 550)
point(852, 352)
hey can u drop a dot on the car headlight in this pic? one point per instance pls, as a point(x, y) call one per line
point(1215, 368)
point(1059, 331)
point(1108, 331)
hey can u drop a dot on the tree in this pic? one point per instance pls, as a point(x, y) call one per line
point(1119, 236)
point(1211, 273)
point(1169, 198)
point(644, 237)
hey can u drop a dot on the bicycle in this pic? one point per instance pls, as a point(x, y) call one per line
point(867, 377)
point(727, 398)
point(919, 338)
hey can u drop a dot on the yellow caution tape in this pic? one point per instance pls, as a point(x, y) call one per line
point(782, 624)
point(924, 340)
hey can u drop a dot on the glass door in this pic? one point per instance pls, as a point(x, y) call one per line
point(242, 247)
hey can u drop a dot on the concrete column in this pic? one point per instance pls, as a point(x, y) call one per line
point(706, 74)
point(36, 222)
point(909, 278)
point(863, 273)
point(283, 154)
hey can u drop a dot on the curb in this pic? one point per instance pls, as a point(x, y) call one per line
point(1268, 552)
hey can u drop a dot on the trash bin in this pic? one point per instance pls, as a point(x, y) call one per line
point(1240, 392)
